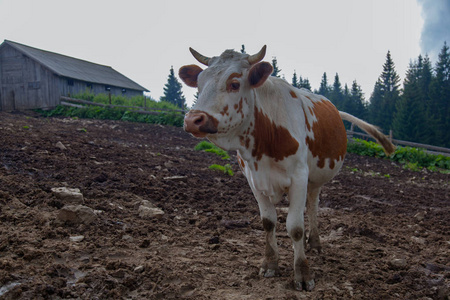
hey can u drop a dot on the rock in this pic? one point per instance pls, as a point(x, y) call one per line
point(146, 212)
point(77, 238)
point(420, 216)
point(176, 178)
point(139, 269)
point(69, 195)
point(77, 214)
point(399, 263)
point(418, 240)
point(127, 237)
point(60, 146)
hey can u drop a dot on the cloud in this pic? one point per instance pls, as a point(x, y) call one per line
point(436, 28)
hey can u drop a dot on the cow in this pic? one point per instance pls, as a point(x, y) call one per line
point(288, 141)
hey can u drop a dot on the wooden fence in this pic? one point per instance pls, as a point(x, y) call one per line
point(67, 101)
point(429, 148)
point(72, 102)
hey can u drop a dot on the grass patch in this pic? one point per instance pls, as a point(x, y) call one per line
point(225, 169)
point(211, 148)
point(411, 158)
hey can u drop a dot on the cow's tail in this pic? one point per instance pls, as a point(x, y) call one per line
point(388, 147)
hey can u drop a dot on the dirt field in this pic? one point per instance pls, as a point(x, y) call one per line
point(385, 230)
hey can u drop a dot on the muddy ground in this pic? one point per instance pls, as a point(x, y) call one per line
point(384, 229)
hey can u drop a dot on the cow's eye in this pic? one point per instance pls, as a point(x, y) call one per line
point(234, 86)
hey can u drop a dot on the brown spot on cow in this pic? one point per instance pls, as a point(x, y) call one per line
point(271, 139)
point(241, 162)
point(239, 108)
point(330, 138)
point(268, 225)
point(293, 94)
point(307, 122)
point(297, 234)
point(224, 110)
point(256, 166)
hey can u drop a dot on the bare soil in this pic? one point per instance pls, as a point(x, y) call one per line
point(384, 230)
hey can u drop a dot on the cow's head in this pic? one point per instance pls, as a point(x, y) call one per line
point(225, 92)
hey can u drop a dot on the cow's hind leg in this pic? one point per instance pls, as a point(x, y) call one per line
point(269, 267)
point(312, 209)
point(295, 227)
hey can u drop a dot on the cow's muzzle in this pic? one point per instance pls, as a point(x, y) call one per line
point(200, 123)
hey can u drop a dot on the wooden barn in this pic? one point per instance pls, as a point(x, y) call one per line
point(33, 78)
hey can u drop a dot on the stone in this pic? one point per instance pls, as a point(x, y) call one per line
point(60, 146)
point(139, 269)
point(77, 238)
point(77, 214)
point(176, 178)
point(69, 195)
point(146, 212)
point(399, 263)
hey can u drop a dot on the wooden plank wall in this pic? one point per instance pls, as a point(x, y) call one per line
point(81, 86)
point(26, 84)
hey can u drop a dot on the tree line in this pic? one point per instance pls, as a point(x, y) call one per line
point(417, 111)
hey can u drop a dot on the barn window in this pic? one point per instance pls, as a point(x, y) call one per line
point(70, 82)
point(124, 91)
point(107, 88)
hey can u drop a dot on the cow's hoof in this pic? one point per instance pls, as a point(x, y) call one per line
point(314, 244)
point(268, 273)
point(307, 285)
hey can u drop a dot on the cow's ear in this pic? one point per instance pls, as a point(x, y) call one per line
point(189, 74)
point(259, 73)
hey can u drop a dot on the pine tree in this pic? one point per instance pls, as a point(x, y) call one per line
point(409, 119)
point(295, 82)
point(388, 94)
point(358, 108)
point(243, 49)
point(172, 91)
point(336, 96)
point(440, 98)
point(324, 88)
point(304, 83)
point(276, 71)
point(376, 103)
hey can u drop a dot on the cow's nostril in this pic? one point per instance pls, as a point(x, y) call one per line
point(199, 120)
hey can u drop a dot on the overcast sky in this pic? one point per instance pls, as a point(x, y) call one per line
point(143, 39)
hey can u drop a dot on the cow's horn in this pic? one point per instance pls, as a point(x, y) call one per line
point(203, 59)
point(256, 58)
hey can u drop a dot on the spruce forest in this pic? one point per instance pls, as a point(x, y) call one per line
point(417, 111)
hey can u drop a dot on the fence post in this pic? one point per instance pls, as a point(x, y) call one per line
point(390, 135)
point(351, 130)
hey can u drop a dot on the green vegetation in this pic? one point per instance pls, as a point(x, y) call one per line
point(121, 113)
point(225, 169)
point(173, 92)
point(211, 148)
point(411, 158)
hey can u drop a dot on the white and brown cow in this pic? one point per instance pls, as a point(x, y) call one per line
point(288, 140)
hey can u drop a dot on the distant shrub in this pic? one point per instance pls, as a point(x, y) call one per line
point(412, 158)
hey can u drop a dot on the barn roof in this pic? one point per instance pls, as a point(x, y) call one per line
point(70, 67)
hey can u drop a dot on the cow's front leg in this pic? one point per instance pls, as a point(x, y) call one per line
point(295, 227)
point(269, 267)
